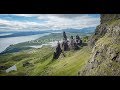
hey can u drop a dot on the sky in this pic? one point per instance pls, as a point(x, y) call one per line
point(41, 22)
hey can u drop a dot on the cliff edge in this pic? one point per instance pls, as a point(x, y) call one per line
point(105, 58)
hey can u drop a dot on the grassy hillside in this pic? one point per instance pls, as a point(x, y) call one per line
point(38, 62)
point(105, 58)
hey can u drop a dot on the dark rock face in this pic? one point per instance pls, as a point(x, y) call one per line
point(58, 52)
point(72, 41)
point(78, 40)
point(25, 64)
point(103, 28)
point(75, 43)
point(67, 45)
point(3, 67)
point(105, 58)
point(99, 32)
point(65, 42)
point(109, 17)
point(64, 36)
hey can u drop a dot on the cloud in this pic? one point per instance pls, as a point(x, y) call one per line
point(47, 15)
point(24, 15)
point(50, 22)
point(78, 22)
point(17, 25)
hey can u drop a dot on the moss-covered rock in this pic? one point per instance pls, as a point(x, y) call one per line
point(105, 58)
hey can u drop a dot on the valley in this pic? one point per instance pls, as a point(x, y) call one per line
point(92, 51)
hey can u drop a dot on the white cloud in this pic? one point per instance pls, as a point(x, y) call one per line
point(51, 21)
point(17, 25)
point(56, 22)
point(24, 15)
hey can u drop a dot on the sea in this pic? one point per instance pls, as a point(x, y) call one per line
point(10, 38)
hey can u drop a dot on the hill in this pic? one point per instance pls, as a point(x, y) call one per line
point(39, 62)
point(100, 58)
point(105, 58)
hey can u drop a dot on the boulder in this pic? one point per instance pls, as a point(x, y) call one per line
point(3, 67)
point(26, 64)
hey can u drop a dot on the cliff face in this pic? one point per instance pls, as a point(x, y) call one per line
point(109, 24)
point(109, 17)
point(105, 58)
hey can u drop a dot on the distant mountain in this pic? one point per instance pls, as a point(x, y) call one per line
point(25, 33)
point(72, 30)
point(55, 35)
point(83, 30)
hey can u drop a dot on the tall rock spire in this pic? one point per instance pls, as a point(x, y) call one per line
point(64, 36)
point(65, 42)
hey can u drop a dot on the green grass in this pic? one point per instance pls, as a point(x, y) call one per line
point(112, 22)
point(67, 66)
point(42, 63)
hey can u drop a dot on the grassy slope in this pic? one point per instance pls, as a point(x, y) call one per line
point(107, 46)
point(42, 63)
point(109, 66)
point(67, 66)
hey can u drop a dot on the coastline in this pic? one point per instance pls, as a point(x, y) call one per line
point(6, 42)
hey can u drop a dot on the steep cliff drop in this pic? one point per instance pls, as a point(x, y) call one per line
point(105, 58)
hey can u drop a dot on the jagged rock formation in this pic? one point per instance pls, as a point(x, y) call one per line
point(105, 58)
point(72, 41)
point(109, 17)
point(75, 43)
point(78, 40)
point(102, 29)
point(58, 52)
point(65, 42)
point(72, 44)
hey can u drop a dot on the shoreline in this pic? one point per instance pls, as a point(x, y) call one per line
point(6, 42)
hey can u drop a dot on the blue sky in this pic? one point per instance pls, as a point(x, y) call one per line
point(22, 22)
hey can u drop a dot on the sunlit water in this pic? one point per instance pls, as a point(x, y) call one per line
point(4, 34)
point(5, 42)
point(52, 44)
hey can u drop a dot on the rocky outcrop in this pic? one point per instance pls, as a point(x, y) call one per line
point(107, 26)
point(105, 58)
point(100, 32)
point(66, 45)
point(75, 43)
point(109, 17)
point(58, 52)
point(65, 42)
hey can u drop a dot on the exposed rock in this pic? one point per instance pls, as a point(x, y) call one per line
point(64, 36)
point(105, 58)
point(109, 17)
point(78, 40)
point(65, 45)
point(73, 44)
point(99, 32)
point(65, 42)
point(3, 67)
point(72, 41)
point(13, 68)
point(58, 52)
point(27, 64)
